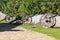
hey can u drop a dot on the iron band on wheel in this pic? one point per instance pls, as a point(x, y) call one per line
point(48, 20)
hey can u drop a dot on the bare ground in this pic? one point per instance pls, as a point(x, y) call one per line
point(19, 33)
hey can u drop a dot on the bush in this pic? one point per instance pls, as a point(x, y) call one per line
point(29, 7)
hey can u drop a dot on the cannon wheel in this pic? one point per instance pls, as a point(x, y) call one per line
point(8, 18)
point(47, 21)
point(28, 19)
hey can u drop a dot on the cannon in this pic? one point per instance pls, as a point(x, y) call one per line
point(47, 20)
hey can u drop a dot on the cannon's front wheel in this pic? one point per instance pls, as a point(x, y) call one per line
point(48, 21)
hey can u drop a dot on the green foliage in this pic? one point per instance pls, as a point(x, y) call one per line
point(29, 7)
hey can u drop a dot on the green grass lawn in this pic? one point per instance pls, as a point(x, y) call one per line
point(55, 32)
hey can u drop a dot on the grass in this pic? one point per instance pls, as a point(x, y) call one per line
point(55, 32)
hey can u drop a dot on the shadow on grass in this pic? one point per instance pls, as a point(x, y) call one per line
point(8, 27)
